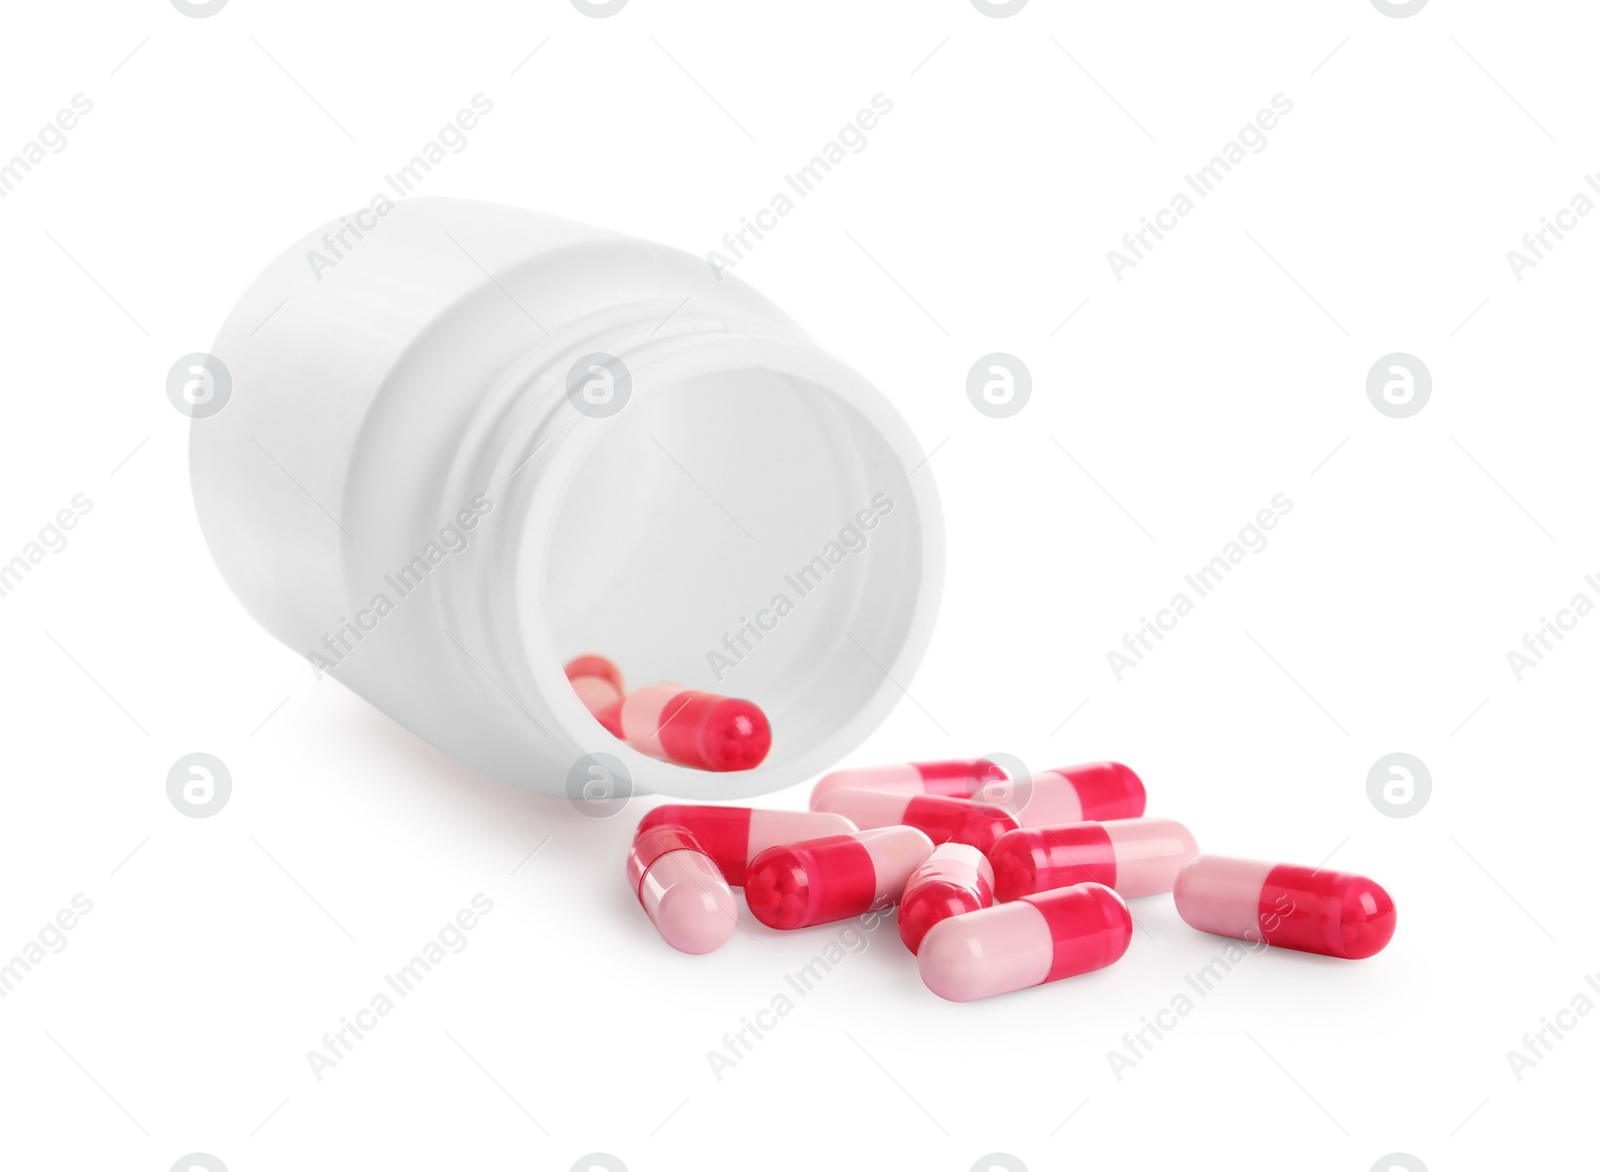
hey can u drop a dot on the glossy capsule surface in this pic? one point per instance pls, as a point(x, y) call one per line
point(833, 878)
point(1132, 856)
point(1332, 913)
point(699, 730)
point(681, 890)
point(941, 819)
point(1033, 941)
point(953, 880)
point(733, 835)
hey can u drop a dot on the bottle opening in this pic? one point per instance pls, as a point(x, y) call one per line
point(750, 531)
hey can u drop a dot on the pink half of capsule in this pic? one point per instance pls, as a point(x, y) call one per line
point(1037, 939)
point(1132, 856)
point(941, 819)
point(1332, 913)
point(953, 880)
point(681, 890)
point(697, 729)
point(733, 835)
point(951, 779)
point(833, 878)
point(597, 681)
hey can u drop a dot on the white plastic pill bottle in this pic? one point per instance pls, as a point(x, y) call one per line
point(442, 450)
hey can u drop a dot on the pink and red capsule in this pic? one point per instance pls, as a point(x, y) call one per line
point(1331, 913)
point(681, 889)
point(950, 779)
point(941, 819)
point(1075, 793)
point(1032, 941)
point(733, 835)
point(833, 878)
point(699, 730)
point(1132, 856)
point(954, 880)
point(597, 681)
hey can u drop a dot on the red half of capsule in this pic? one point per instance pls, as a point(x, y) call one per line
point(955, 879)
point(833, 878)
point(941, 819)
point(1332, 913)
point(1090, 927)
point(733, 835)
point(696, 729)
point(1132, 856)
point(712, 732)
point(958, 820)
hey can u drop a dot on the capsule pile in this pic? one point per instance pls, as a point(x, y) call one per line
point(1002, 882)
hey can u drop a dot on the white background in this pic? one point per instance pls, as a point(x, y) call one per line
point(1227, 367)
